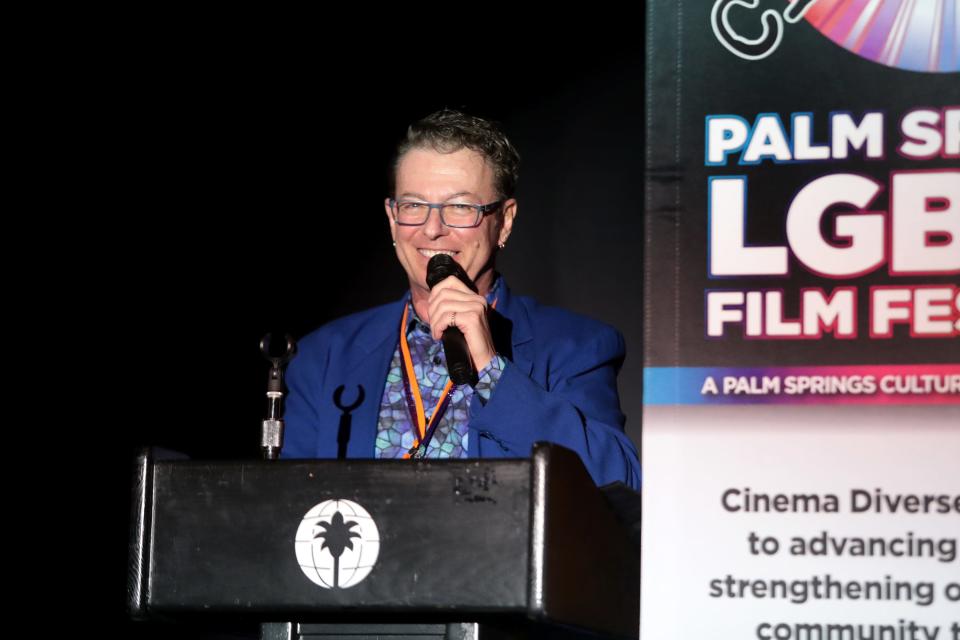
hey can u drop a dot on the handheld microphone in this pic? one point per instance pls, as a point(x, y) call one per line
point(459, 362)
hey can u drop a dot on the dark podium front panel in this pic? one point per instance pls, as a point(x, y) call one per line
point(364, 540)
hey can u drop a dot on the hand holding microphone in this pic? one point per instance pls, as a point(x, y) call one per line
point(458, 316)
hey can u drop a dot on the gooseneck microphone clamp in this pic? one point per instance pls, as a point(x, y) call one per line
point(271, 429)
point(459, 363)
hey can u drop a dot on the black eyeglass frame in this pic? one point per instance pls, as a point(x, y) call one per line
point(481, 209)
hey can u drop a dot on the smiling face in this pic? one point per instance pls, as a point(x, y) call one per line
point(462, 176)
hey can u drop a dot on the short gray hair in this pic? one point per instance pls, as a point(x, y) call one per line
point(448, 131)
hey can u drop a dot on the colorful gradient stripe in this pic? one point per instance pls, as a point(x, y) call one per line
point(918, 35)
point(682, 385)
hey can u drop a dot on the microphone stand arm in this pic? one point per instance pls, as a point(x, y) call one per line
point(271, 429)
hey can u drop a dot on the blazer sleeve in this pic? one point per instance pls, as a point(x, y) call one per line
point(571, 399)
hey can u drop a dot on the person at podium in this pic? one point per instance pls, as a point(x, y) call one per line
point(376, 384)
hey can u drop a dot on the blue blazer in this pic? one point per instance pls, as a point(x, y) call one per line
point(559, 385)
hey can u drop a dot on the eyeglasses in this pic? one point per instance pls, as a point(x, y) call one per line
point(412, 213)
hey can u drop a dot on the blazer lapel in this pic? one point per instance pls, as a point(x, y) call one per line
point(512, 334)
point(368, 371)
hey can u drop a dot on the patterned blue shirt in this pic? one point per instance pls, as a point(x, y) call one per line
point(396, 430)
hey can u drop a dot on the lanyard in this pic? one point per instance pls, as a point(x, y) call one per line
point(424, 429)
point(415, 399)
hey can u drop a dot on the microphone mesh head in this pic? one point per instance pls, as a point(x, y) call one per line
point(441, 267)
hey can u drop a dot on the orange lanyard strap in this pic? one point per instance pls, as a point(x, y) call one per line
point(414, 397)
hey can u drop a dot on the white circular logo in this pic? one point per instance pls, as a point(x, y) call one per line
point(337, 544)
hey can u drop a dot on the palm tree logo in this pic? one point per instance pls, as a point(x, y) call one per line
point(344, 531)
point(337, 536)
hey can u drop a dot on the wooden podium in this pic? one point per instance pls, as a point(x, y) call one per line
point(465, 549)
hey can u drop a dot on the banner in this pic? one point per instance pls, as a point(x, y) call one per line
point(802, 365)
